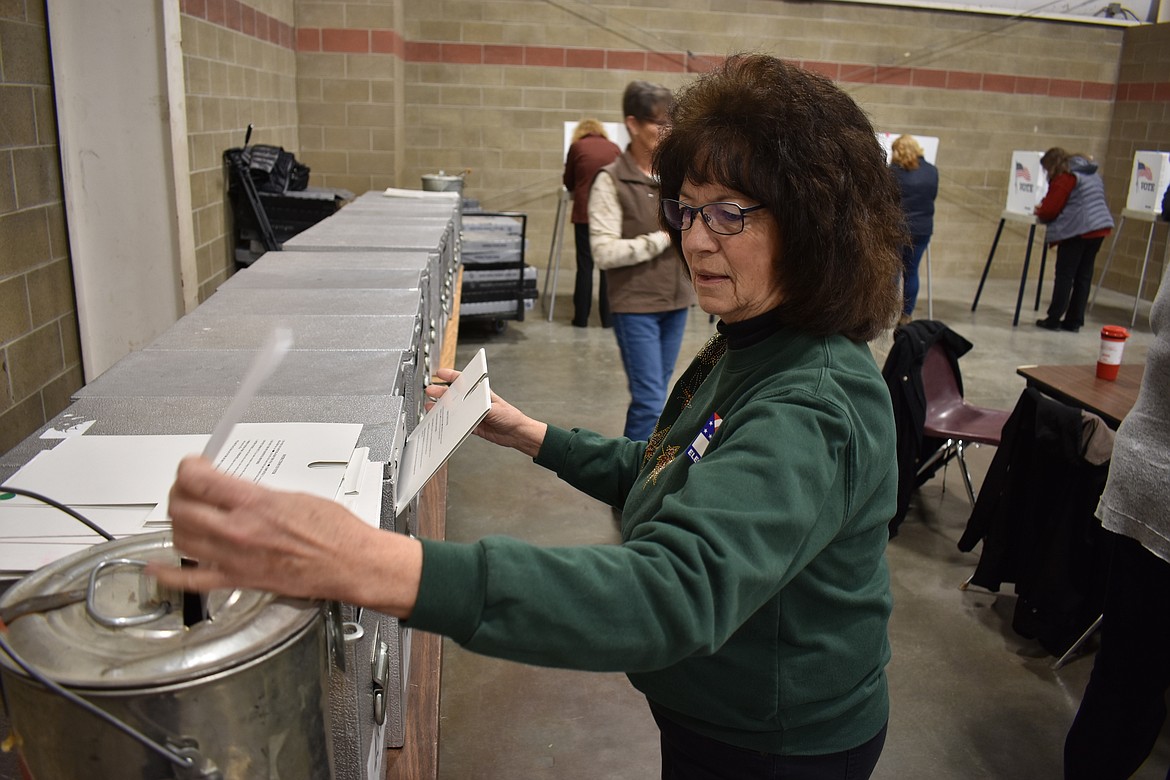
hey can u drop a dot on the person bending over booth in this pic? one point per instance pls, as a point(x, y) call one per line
point(1078, 219)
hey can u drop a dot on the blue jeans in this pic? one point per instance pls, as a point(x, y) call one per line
point(911, 258)
point(649, 344)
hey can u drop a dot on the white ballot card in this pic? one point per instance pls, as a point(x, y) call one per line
point(441, 430)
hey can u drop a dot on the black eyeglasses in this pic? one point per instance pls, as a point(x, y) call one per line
point(723, 218)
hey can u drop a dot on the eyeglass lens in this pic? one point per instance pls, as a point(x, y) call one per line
point(725, 218)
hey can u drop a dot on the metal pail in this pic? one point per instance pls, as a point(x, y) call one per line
point(240, 693)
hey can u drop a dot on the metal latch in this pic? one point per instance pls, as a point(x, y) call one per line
point(381, 670)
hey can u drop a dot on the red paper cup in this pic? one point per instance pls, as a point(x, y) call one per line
point(1112, 345)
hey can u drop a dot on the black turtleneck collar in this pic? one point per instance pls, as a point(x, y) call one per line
point(751, 331)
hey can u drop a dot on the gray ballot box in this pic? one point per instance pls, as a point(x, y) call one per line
point(358, 269)
point(282, 304)
point(392, 234)
point(377, 205)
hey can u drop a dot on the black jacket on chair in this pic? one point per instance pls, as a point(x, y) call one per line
point(903, 374)
point(1035, 517)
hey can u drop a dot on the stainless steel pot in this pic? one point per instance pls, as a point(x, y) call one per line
point(240, 694)
point(443, 182)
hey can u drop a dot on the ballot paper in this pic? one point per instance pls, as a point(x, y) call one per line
point(441, 430)
point(395, 192)
point(121, 482)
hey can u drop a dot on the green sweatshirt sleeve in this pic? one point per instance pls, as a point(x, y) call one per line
point(712, 551)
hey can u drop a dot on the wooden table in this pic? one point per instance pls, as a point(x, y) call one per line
point(1079, 386)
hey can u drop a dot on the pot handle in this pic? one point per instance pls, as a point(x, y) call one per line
point(119, 622)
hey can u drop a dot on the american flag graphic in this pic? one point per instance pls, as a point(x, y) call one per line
point(699, 445)
point(1022, 172)
point(1144, 172)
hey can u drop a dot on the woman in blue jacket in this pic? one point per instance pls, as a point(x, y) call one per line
point(918, 180)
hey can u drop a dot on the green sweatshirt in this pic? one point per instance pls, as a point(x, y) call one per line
point(749, 597)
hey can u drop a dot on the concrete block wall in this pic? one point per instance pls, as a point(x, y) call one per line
point(1140, 122)
point(40, 356)
point(489, 86)
point(349, 92)
point(240, 67)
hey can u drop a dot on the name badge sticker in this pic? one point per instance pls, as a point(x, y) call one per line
point(699, 445)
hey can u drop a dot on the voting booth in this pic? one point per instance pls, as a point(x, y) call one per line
point(1148, 179)
point(1027, 186)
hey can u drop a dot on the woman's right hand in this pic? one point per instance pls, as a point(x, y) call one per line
point(504, 424)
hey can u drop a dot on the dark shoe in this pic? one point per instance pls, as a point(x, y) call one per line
point(1048, 324)
point(1070, 327)
point(579, 324)
point(606, 324)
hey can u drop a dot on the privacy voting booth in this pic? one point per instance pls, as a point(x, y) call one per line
point(1027, 185)
point(929, 146)
point(1148, 180)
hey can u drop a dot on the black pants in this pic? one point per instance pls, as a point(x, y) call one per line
point(1074, 277)
point(583, 287)
point(690, 756)
point(1124, 705)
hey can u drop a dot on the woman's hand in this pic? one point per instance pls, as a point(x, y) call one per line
point(243, 535)
point(504, 424)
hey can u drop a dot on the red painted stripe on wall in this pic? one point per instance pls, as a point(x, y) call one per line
point(242, 18)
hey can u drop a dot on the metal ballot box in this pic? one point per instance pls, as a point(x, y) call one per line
point(287, 304)
point(339, 270)
point(393, 234)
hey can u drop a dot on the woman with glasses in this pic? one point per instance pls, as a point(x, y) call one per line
point(648, 289)
point(749, 597)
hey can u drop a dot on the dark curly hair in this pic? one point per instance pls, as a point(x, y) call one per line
point(796, 143)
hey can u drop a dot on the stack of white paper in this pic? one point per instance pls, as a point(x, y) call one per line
point(121, 482)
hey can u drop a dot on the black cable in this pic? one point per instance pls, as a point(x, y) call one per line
point(58, 505)
point(55, 687)
point(97, 712)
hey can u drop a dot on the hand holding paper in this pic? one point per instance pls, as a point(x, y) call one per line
point(442, 429)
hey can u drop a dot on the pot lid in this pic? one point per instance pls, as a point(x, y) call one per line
point(120, 632)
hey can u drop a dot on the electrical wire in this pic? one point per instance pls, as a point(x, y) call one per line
point(186, 762)
point(164, 751)
point(58, 505)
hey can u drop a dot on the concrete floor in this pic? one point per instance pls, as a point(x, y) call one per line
point(970, 698)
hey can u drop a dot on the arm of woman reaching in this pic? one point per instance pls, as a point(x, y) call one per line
point(1054, 200)
point(244, 535)
point(247, 536)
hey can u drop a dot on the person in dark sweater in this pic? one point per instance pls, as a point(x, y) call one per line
point(749, 597)
point(1078, 219)
point(590, 151)
point(918, 181)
